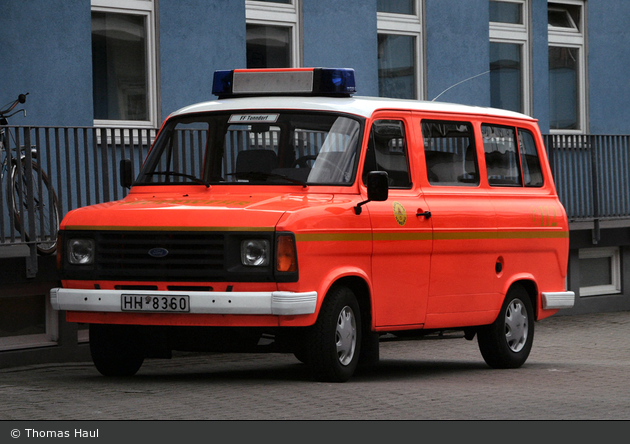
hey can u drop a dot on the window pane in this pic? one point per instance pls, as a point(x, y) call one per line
point(119, 66)
point(449, 150)
point(396, 6)
point(253, 148)
point(499, 144)
point(564, 16)
point(504, 12)
point(268, 46)
point(532, 174)
point(506, 89)
point(397, 66)
point(595, 271)
point(563, 88)
point(387, 151)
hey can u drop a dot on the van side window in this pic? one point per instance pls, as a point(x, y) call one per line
point(449, 149)
point(502, 162)
point(532, 174)
point(387, 151)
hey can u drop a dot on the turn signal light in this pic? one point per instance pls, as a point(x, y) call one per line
point(286, 254)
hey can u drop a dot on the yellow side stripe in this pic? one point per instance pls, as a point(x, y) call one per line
point(407, 236)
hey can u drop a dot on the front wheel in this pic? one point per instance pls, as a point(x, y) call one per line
point(116, 349)
point(506, 343)
point(333, 343)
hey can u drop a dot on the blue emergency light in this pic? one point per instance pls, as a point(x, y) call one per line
point(290, 81)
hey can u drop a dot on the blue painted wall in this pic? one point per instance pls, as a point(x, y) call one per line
point(342, 34)
point(457, 48)
point(45, 49)
point(609, 66)
point(197, 37)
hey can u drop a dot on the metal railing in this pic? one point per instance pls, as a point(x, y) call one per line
point(76, 166)
point(592, 174)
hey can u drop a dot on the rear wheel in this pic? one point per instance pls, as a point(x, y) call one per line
point(506, 343)
point(116, 349)
point(333, 343)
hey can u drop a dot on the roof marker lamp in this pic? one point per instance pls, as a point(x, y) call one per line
point(291, 81)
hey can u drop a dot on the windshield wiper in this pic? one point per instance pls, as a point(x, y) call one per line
point(259, 175)
point(174, 173)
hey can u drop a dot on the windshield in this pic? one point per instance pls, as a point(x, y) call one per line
point(245, 147)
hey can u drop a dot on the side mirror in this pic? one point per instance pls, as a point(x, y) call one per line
point(377, 188)
point(126, 173)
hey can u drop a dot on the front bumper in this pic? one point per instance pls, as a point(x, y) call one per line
point(201, 302)
point(557, 300)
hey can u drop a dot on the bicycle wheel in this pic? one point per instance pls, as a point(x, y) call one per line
point(45, 206)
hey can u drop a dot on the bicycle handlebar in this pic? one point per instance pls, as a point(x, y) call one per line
point(21, 99)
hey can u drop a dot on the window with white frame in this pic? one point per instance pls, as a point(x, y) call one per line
point(124, 63)
point(600, 271)
point(567, 66)
point(510, 55)
point(399, 48)
point(273, 33)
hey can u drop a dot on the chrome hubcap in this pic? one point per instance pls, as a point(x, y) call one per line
point(346, 335)
point(516, 325)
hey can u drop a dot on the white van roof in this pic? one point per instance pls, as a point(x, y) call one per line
point(357, 105)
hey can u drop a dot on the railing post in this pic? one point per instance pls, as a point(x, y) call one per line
point(596, 236)
point(28, 209)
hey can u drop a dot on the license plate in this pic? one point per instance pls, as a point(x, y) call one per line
point(139, 302)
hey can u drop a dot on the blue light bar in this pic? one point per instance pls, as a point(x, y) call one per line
point(291, 81)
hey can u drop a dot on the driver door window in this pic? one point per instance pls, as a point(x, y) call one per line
point(387, 151)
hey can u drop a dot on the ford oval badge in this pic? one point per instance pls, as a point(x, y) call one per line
point(158, 252)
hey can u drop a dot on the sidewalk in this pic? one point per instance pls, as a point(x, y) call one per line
point(578, 370)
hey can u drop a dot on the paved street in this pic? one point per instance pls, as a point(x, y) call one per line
point(578, 370)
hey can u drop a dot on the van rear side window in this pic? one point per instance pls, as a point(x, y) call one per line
point(502, 162)
point(449, 150)
point(532, 173)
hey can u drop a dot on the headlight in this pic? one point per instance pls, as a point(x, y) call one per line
point(81, 251)
point(255, 252)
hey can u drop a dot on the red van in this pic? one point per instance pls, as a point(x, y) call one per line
point(291, 216)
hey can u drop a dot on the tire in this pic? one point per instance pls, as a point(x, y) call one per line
point(46, 209)
point(116, 349)
point(333, 346)
point(506, 343)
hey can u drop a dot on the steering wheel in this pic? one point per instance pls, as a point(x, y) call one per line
point(304, 162)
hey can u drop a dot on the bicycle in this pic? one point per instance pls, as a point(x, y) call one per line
point(45, 206)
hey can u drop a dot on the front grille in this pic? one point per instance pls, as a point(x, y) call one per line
point(190, 256)
point(178, 256)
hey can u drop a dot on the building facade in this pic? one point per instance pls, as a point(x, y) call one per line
point(130, 63)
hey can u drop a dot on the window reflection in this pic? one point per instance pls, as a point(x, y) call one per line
point(119, 66)
point(397, 66)
point(506, 89)
point(268, 46)
point(563, 88)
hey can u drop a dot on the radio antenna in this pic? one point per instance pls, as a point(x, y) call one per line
point(459, 83)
